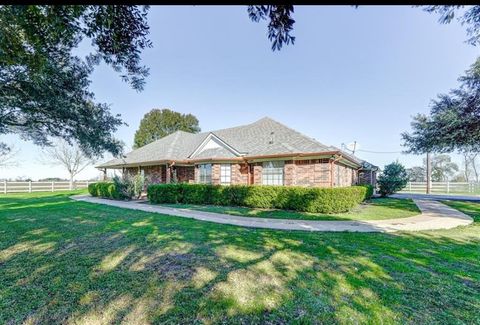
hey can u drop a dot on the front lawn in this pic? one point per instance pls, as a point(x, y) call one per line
point(63, 261)
point(375, 209)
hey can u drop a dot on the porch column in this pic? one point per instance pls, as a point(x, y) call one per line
point(104, 174)
point(168, 174)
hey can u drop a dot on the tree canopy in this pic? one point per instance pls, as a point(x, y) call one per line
point(443, 169)
point(161, 122)
point(454, 120)
point(44, 86)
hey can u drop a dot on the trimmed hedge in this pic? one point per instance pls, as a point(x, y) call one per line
point(319, 200)
point(105, 190)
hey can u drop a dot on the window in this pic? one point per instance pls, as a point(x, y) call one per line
point(205, 173)
point(272, 172)
point(225, 174)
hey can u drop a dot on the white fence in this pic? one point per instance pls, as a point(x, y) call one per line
point(29, 187)
point(471, 188)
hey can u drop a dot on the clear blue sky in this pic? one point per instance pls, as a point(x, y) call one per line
point(353, 74)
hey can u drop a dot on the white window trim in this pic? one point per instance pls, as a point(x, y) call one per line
point(225, 174)
point(277, 178)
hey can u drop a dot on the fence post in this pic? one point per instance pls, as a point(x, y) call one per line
point(53, 186)
point(409, 186)
point(29, 186)
point(87, 184)
point(5, 187)
point(448, 187)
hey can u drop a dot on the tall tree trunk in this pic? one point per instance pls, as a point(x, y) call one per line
point(466, 164)
point(71, 182)
point(474, 167)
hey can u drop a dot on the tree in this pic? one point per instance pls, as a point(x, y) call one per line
point(454, 120)
point(44, 87)
point(417, 174)
point(393, 178)
point(470, 166)
point(442, 168)
point(161, 122)
point(280, 24)
point(68, 156)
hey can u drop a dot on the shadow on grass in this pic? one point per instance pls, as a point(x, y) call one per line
point(85, 263)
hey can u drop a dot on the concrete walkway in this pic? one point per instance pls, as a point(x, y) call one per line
point(439, 197)
point(435, 215)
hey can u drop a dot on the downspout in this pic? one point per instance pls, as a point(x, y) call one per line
point(332, 162)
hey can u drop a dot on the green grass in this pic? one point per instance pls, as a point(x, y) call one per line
point(63, 261)
point(375, 209)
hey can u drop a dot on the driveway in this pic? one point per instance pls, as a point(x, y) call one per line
point(434, 215)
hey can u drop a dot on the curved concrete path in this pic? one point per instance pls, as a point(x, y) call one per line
point(435, 215)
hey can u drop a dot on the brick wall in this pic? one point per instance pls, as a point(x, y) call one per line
point(343, 175)
point(153, 174)
point(289, 173)
point(216, 174)
point(257, 173)
point(312, 172)
point(239, 174)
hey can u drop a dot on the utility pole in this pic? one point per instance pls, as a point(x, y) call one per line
point(429, 173)
point(354, 147)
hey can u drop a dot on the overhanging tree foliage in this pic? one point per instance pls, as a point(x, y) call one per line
point(161, 122)
point(44, 86)
point(280, 22)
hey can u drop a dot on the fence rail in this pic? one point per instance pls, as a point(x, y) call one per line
point(472, 188)
point(30, 187)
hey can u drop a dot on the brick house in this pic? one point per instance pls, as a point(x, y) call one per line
point(263, 153)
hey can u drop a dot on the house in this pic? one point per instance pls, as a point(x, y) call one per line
point(264, 152)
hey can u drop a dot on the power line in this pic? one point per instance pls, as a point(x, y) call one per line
point(387, 152)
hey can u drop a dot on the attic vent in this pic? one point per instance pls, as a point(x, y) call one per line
point(271, 137)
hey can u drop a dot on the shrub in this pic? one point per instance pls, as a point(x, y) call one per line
point(107, 190)
point(319, 200)
point(165, 193)
point(393, 178)
point(369, 191)
point(92, 189)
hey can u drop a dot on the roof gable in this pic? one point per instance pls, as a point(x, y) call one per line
point(214, 147)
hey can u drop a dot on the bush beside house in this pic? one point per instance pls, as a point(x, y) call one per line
point(106, 190)
point(393, 178)
point(318, 200)
point(122, 188)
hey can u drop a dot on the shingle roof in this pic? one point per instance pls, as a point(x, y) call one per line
point(263, 137)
